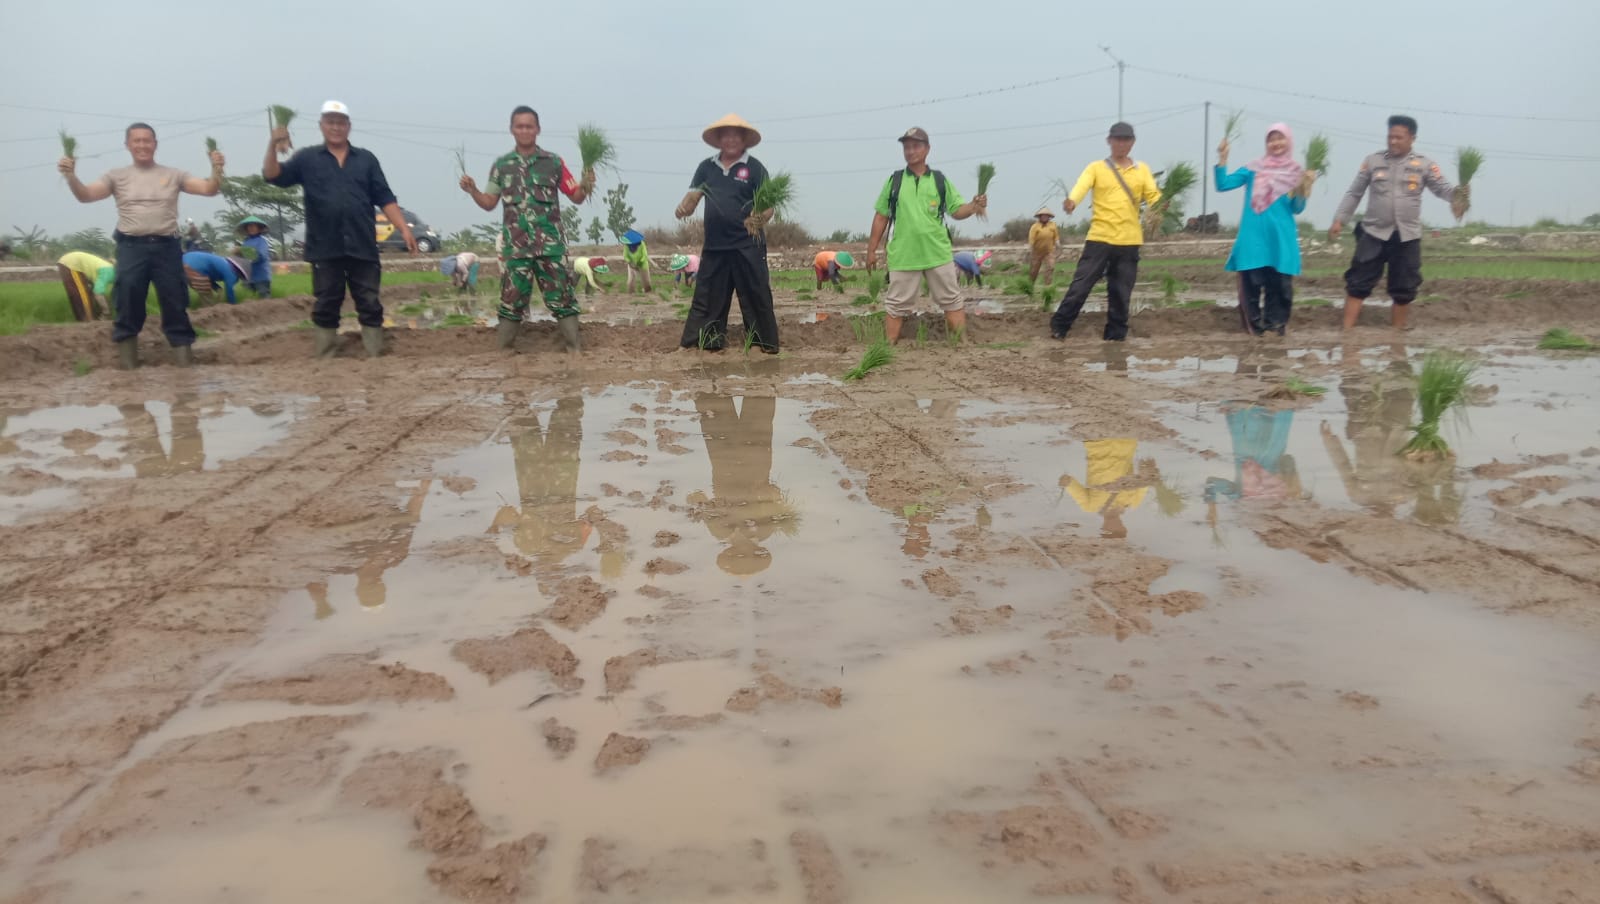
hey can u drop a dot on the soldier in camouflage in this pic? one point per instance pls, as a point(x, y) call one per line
point(524, 182)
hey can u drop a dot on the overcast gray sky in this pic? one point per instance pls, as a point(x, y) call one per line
point(830, 84)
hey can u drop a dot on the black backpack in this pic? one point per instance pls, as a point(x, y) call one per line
point(894, 197)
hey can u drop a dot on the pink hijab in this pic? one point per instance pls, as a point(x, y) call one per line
point(1276, 175)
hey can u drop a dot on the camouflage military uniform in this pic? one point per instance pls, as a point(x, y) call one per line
point(530, 232)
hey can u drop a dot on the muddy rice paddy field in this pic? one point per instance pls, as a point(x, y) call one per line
point(1014, 621)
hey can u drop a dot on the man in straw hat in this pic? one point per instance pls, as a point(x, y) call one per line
point(1042, 238)
point(342, 183)
point(1120, 184)
point(734, 256)
point(911, 208)
point(255, 238)
point(533, 251)
point(826, 266)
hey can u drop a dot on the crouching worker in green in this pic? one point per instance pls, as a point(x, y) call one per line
point(524, 183)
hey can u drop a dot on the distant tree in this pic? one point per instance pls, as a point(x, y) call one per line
point(838, 236)
point(571, 224)
point(250, 196)
point(93, 240)
point(597, 231)
point(1592, 221)
point(619, 216)
point(29, 243)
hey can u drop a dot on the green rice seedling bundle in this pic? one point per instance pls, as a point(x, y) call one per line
point(985, 176)
point(595, 150)
point(1441, 389)
point(1468, 161)
point(1317, 151)
point(281, 117)
point(775, 195)
point(879, 354)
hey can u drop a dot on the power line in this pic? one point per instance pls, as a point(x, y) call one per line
point(1358, 103)
point(200, 128)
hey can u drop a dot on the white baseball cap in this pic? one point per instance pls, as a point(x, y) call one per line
point(334, 106)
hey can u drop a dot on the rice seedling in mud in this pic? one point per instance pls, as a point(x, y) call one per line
point(281, 117)
point(707, 338)
point(1441, 389)
point(1020, 285)
point(878, 354)
point(1468, 161)
point(985, 176)
point(1562, 339)
point(955, 337)
point(1317, 154)
point(1296, 388)
point(749, 340)
point(595, 151)
point(69, 146)
point(1170, 286)
point(775, 195)
point(868, 328)
point(680, 310)
point(922, 332)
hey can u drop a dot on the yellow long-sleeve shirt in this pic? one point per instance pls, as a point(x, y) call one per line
point(1116, 217)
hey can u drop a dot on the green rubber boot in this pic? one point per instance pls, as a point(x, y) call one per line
point(568, 326)
point(128, 354)
point(372, 340)
point(183, 355)
point(507, 331)
point(327, 342)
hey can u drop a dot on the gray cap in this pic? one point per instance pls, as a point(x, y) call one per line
point(914, 134)
point(1121, 130)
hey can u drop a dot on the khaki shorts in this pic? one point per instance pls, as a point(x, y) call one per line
point(900, 296)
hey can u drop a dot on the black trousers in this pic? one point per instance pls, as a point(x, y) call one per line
point(1278, 290)
point(1119, 265)
point(143, 261)
point(328, 281)
point(742, 270)
point(1403, 260)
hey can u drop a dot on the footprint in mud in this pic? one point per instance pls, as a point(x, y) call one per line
point(623, 455)
point(665, 538)
point(626, 438)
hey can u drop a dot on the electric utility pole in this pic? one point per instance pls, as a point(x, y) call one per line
point(1120, 67)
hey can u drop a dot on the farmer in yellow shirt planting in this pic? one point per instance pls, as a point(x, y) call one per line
point(1120, 185)
point(87, 279)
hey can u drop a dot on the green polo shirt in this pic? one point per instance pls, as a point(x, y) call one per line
point(920, 241)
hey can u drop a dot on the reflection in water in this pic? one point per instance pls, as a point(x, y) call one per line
point(371, 592)
point(1112, 487)
point(546, 527)
point(1262, 468)
point(1377, 477)
point(745, 507)
point(144, 439)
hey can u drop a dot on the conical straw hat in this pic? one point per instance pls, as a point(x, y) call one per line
point(751, 136)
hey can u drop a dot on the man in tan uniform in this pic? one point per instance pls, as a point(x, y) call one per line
point(147, 241)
